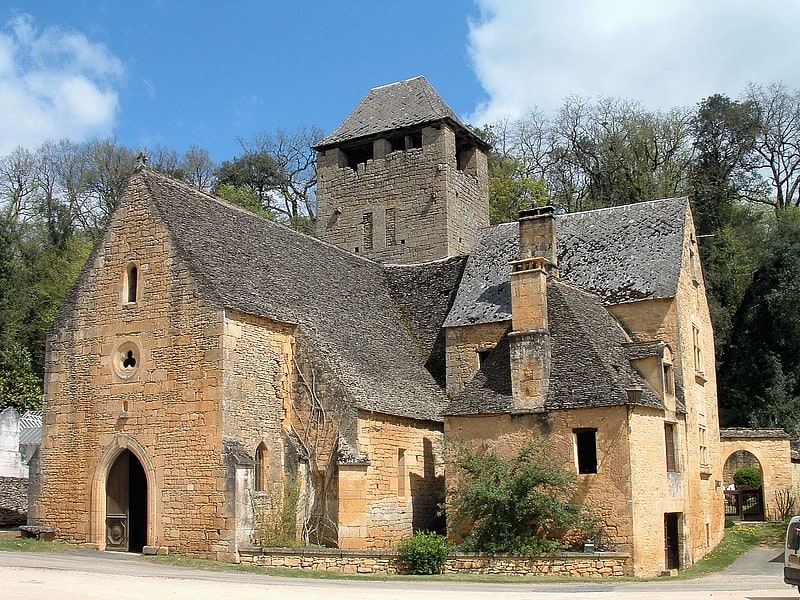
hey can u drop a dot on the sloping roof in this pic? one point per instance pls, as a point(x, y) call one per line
point(339, 302)
point(589, 364)
point(744, 432)
point(624, 253)
point(400, 105)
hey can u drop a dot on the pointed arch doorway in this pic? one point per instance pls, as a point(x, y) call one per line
point(126, 504)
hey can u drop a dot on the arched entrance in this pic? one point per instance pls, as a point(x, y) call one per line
point(126, 504)
point(742, 502)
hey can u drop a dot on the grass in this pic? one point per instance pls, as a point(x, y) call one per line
point(738, 539)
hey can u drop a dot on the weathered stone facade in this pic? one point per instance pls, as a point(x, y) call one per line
point(13, 501)
point(208, 357)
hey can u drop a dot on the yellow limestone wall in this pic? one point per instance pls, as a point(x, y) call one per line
point(378, 505)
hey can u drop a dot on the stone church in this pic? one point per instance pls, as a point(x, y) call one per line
point(208, 357)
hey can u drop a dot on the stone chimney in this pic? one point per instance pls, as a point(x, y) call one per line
point(530, 335)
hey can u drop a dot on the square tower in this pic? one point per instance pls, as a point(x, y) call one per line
point(402, 180)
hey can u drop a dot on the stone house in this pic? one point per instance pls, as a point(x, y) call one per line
point(208, 357)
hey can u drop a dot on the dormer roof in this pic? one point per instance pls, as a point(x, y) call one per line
point(403, 105)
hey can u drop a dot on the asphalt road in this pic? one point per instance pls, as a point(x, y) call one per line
point(89, 576)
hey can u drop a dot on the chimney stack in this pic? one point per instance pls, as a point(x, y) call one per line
point(530, 336)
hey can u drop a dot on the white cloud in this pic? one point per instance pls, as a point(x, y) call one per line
point(665, 53)
point(54, 84)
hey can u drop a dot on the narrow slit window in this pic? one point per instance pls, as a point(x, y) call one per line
point(261, 468)
point(669, 444)
point(131, 284)
point(401, 473)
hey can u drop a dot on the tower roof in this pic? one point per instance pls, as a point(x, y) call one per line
point(396, 106)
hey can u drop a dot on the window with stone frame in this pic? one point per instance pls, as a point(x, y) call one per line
point(698, 354)
point(670, 446)
point(586, 450)
point(668, 373)
point(130, 290)
point(703, 446)
point(261, 468)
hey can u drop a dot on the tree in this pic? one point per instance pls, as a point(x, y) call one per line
point(511, 191)
point(724, 181)
point(281, 168)
point(19, 387)
point(759, 376)
point(519, 505)
point(621, 152)
point(778, 141)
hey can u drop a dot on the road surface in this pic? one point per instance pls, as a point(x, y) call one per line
point(89, 576)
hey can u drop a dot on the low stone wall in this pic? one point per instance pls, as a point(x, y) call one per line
point(569, 564)
point(13, 501)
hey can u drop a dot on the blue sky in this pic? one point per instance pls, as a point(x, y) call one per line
point(175, 73)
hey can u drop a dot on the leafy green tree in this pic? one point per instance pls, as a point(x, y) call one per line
point(520, 505)
point(19, 386)
point(511, 191)
point(759, 375)
point(245, 197)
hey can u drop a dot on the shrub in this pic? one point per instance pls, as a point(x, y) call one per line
point(423, 553)
point(518, 505)
point(276, 515)
point(749, 476)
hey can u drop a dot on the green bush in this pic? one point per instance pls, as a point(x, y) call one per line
point(519, 505)
point(749, 476)
point(423, 553)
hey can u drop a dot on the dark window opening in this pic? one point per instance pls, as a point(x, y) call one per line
point(262, 467)
point(483, 354)
point(131, 284)
point(129, 362)
point(358, 155)
point(586, 447)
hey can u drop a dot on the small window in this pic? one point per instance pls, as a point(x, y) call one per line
point(698, 355)
point(669, 444)
point(131, 284)
point(401, 473)
point(262, 468)
point(668, 373)
point(703, 446)
point(586, 450)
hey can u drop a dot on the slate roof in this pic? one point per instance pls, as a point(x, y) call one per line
point(624, 253)
point(340, 302)
point(589, 363)
point(397, 106)
point(742, 432)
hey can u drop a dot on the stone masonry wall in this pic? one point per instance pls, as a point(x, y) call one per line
point(593, 566)
point(13, 501)
point(404, 482)
point(606, 492)
point(407, 207)
point(462, 348)
point(165, 409)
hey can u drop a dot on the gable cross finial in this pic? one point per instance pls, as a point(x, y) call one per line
point(141, 160)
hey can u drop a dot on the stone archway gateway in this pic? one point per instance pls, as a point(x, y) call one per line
point(126, 504)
